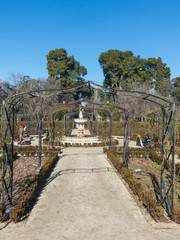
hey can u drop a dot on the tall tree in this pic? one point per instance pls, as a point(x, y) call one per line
point(176, 89)
point(114, 64)
point(5, 90)
point(163, 84)
point(123, 69)
point(65, 70)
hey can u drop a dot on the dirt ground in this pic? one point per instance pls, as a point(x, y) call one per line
point(24, 172)
point(148, 173)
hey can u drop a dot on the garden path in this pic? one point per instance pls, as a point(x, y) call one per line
point(84, 198)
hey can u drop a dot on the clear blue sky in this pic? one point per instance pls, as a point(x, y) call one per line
point(29, 29)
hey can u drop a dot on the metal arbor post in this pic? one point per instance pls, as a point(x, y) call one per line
point(8, 149)
point(126, 129)
point(8, 140)
point(8, 136)
point(53, 125)
point(67, 125)
point(167, 159)
point(110, 129)
point(52, 130)
point(126, 140)
point(40, 137)
point(168, 128)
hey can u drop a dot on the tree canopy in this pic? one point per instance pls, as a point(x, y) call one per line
point(123, 69)
point(65, 70)
point(176, 89)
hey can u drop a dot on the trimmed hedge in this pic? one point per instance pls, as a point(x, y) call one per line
point(155, 157)
point(150, 203)
point(32, 149)
point(24, 205)
point(176, 215)
point(46, 141)
point(177, 169)
point(144, 152)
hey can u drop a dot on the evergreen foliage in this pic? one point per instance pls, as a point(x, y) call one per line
point(123, 69)
point(66, 72)
point(64, 69)
point(176, 88)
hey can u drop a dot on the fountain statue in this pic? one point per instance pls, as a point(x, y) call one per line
point(81, 123)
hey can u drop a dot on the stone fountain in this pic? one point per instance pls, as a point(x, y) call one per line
point(80, 123)
point(80, 135)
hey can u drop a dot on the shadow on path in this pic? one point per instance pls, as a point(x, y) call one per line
point(79, 170)
point(6, 224)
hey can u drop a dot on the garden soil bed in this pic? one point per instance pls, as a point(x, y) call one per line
point(23, 174)
point(148, 172)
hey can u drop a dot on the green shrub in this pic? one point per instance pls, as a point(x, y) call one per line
point(176, 215)
point(46, 141)
point(155, 157)
point(177, 171)
point(115, 142)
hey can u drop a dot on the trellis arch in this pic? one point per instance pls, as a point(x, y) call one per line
point(126, 125)
point(168, 120)
point(126, 128)
point(168, 127)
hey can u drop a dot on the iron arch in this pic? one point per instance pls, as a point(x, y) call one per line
point(168, 118)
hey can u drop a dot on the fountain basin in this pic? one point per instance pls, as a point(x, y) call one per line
point(81, 120)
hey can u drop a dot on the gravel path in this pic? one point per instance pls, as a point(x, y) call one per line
point(85, 199)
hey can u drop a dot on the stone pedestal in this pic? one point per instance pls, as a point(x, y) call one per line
point(80, 124)
point(80, 132)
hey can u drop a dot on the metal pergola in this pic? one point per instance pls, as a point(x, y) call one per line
point(126, 125)
point(168, 134)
